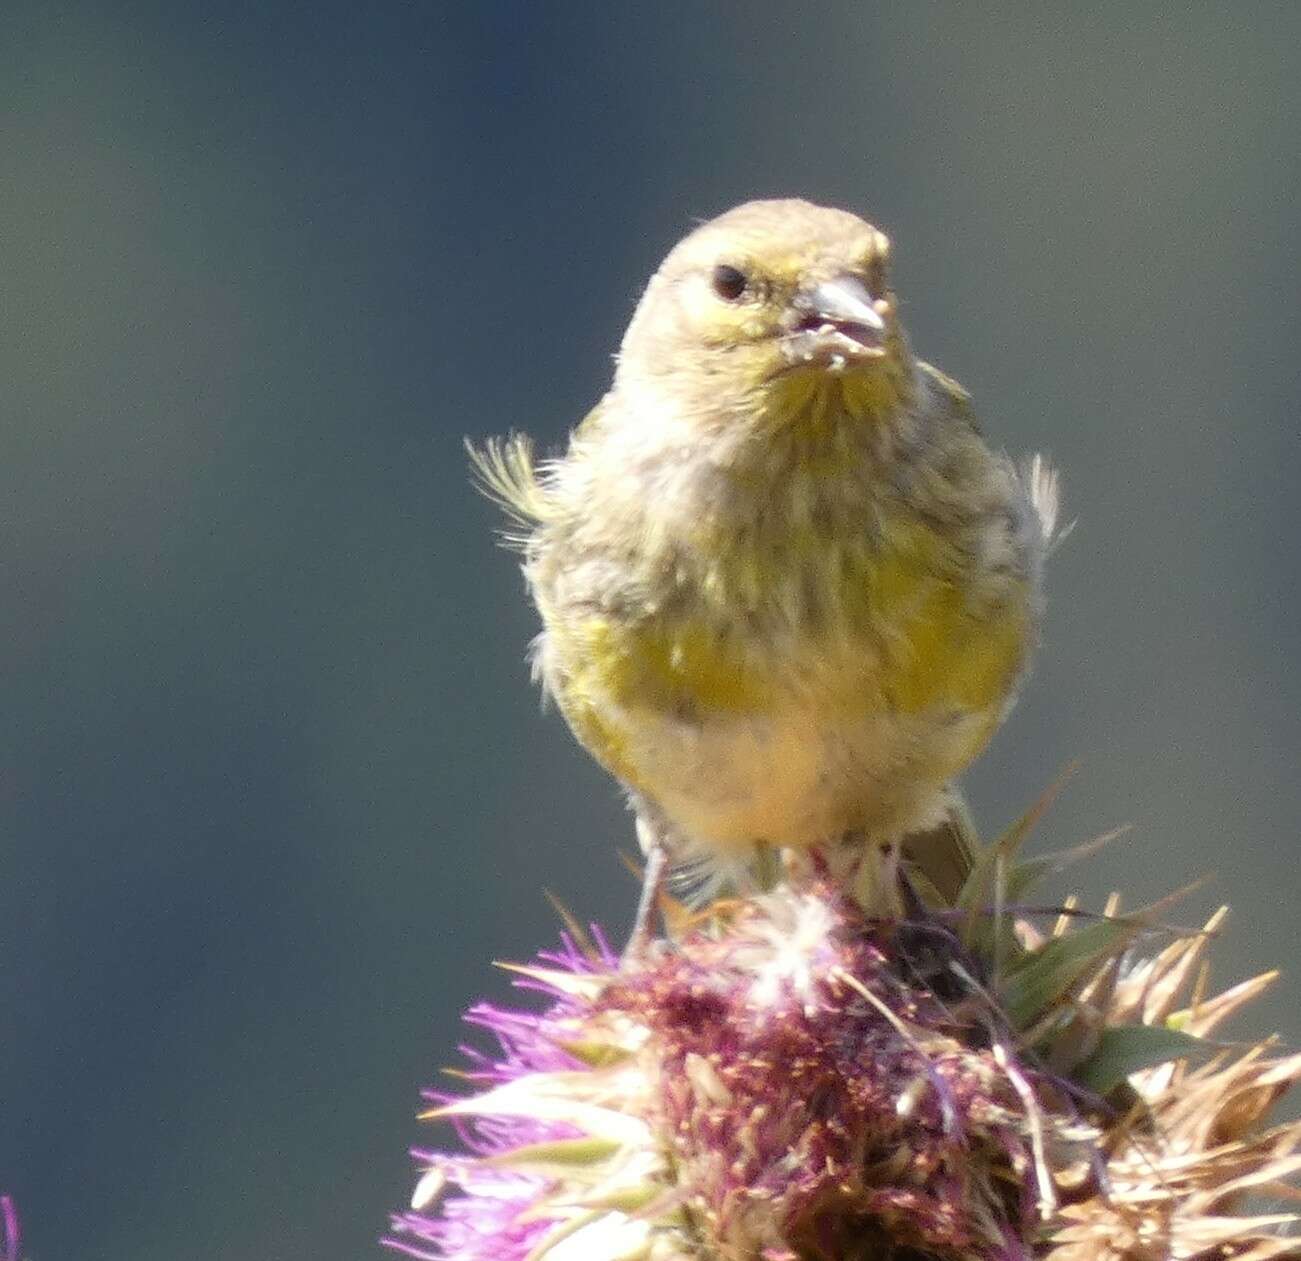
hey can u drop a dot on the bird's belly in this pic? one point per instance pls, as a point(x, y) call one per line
point(726, 782)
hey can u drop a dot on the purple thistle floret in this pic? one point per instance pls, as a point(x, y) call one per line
point(487, 1221)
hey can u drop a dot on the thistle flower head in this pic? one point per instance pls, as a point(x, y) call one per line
point(791, 1081)
point(10, 1234)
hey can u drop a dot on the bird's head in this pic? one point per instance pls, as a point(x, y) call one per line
point(767, 307)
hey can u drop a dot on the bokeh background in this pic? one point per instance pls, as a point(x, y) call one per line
point(274, 788)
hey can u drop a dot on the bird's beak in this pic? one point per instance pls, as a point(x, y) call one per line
point(834, 321)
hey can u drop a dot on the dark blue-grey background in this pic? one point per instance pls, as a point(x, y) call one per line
point(273, 786)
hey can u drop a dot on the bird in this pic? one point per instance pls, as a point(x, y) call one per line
point(787, 590)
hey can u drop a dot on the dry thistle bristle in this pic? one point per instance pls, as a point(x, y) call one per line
point(1194, 1146)
point(792, 1081)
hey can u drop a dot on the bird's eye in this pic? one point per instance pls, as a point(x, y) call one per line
point(729, 283)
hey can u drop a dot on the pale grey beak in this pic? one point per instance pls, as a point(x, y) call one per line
point(843, 300)
point(834, 321)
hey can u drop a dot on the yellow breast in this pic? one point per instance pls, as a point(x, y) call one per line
point(904, 634)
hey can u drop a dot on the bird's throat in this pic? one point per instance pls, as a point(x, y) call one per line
point(814, 402)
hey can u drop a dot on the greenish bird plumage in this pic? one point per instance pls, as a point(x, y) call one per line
point(787, 591)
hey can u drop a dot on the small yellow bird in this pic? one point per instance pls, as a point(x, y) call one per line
point(787, 591)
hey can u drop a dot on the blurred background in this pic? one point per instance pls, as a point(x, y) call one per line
point(274, 788)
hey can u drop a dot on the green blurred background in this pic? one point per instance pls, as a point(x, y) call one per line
point(275, 788)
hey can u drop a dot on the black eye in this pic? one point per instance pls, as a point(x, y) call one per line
point(728, 282)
